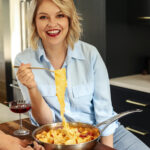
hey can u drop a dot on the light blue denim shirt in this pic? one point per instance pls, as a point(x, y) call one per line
point(87, 96)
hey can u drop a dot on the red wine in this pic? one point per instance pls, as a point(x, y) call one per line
point(20, 108)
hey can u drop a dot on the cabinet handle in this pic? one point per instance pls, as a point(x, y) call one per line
point(136, 103)
point(137, 131)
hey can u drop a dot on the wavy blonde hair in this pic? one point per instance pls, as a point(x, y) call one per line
point(68, 8)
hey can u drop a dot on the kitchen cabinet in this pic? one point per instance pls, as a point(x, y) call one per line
point(123, 45)
point(139, 11)
point(125, 97)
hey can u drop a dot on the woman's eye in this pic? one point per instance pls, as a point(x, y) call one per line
point(60, 15)
point(43, 17)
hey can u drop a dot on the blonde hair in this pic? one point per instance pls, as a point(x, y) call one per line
point(68, 8)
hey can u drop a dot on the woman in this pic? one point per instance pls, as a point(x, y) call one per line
point(55, 44)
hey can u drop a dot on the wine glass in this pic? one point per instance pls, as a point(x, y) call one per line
point(20, 106)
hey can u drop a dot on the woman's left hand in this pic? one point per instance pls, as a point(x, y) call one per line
point(8, 142)
point(37, 146)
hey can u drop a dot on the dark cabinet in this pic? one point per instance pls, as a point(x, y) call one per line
point(139, 11)
point(126, 99)
point(94, 23)
point(124, 46)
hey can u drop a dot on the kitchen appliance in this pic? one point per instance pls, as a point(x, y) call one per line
point(19, 34)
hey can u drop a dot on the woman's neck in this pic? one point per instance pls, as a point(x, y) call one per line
point(56, 54)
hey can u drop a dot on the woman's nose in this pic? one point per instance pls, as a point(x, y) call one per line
point(52, 22)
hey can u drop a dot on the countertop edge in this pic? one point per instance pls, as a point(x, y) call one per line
point(140, 82)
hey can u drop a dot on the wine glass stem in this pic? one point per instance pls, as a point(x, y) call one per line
point(20, 120)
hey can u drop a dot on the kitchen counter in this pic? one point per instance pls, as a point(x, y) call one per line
point(137, 82)
point(6, 115)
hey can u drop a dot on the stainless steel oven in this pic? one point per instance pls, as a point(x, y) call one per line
point(19, 36)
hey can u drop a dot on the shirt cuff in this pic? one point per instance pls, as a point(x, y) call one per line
point(110, 129)
point(53, 115)
point(33, 121)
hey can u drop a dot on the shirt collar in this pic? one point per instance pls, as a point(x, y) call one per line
point(40, 51)
point(75, 53)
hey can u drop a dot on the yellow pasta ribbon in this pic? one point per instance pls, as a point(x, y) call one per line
point(61, 84)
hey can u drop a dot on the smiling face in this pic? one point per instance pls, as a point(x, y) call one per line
point(52, 25)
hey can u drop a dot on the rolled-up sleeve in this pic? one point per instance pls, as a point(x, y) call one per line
point(102, 98)
point(34, 122)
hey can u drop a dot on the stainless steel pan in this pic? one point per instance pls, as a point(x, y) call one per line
point(83, 146)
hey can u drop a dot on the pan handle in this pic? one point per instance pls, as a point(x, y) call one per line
point(118, 116)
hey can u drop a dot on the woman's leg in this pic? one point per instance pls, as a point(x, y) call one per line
point(125, 140)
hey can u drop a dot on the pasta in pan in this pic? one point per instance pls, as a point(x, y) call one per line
point(75, 135)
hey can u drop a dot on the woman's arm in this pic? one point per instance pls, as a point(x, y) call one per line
point(107, 140)
point(40, 110)
point(102, 99)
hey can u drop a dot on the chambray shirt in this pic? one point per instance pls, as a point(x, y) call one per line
point(87, 97)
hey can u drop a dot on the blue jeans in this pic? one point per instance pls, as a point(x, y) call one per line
point(125, 140)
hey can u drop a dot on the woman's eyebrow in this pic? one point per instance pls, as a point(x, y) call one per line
point(59, 12)
point(44, 13)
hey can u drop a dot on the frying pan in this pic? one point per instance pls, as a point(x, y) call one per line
point(82, 146)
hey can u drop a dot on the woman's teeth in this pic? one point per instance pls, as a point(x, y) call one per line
point(53, 32)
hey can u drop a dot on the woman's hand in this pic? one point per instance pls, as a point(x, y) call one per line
point(37, 146)
point(26, 76)
point(9, 142)
point(107, 140)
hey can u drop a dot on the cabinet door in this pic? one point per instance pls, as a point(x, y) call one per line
point(94, 23)
point(125, 99)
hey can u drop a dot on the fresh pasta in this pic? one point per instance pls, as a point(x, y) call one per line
point(66, 135)
point(75, 135)
point(61, 84)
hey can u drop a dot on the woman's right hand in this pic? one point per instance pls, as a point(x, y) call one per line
point(25, 76)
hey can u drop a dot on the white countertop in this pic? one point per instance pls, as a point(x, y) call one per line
point(7, 115)
point(137, 82)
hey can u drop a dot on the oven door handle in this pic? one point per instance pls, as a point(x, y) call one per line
point(14, 86)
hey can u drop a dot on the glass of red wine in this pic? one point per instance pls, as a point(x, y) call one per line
point(20, 106)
